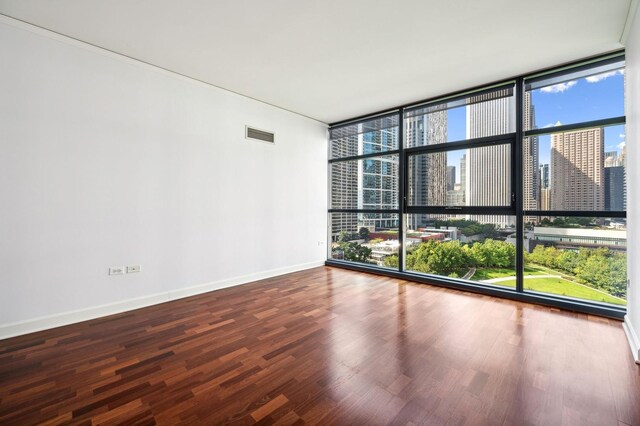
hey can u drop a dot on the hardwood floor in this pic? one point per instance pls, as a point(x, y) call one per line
point(325, 346)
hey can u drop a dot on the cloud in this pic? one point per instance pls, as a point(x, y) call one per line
point(556, 124)
point(599, 77)
point(621, 145)
point(559, 88)
point(621, 135)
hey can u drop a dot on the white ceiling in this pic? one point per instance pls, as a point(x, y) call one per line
point(336, 59)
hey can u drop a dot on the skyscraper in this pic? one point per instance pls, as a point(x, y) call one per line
point(427, 172)
point(488, 169)
point(530, 177)
point(544, 176)
point(344, 179)
point(614, 188)
point(369, 183)
point(463, 176)
point(615, 194)
point(451, 177)
point(545, 199)
point(611, 159)
point(577, 177)
point(378, 177)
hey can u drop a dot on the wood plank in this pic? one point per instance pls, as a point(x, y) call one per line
point(325, 346)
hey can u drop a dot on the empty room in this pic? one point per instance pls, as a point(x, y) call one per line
point(319, 213)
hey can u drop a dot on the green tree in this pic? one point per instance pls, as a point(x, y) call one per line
point(343, 237)
point(493, 254)
point(355, 252)
point(364, 233)
point(391, 261)
point(440, 258)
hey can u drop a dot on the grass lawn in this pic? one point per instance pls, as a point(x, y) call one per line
point(489, 273)
point(544, 270)
point(564, 288)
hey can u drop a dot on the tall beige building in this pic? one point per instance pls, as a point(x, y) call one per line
point(545, 199)
point(530, 163)
point(488, 169)
point(577, 176)
point(488, 178)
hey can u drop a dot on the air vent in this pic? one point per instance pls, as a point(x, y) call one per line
point(259, 135)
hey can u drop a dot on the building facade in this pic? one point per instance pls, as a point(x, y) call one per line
point(577, 175)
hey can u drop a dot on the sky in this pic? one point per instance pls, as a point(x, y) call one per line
point(585, 99)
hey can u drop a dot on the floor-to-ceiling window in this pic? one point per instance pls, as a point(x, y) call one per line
point(364, 178)
point(518, 188)
point(575, 184)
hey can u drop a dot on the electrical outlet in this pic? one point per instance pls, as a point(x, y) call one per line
point(320, 243)
point(116, 270)
point(133, 268)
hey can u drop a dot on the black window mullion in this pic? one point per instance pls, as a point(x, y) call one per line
point(517, 188)
point(479, 143)
point(463, 144)
point(364, 156)
point(576, 213)
point(460, 97)
point(605, 122)
point(462, 210)
point(402, 199)
point(393, 211)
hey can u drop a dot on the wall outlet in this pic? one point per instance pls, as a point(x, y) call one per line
point(133, 268)
point(320, 243)
point(116, 270)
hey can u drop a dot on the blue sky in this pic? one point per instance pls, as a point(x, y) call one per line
point(573, 101)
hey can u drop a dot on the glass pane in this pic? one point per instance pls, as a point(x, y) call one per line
point(371, 183)
point(476, 248)
point(488, 114)
point(376, 135)
point(577, 257)
point(364, 237)
point(577, 170)
point(464, 177)
point(575, 97)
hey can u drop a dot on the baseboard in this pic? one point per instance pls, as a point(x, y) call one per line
point(71, 317)
point(632, 336)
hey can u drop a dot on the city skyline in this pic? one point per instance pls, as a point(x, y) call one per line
point(436, 179)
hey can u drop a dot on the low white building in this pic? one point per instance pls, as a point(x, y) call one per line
point(581, 237)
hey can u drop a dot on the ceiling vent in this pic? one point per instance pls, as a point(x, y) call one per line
point(259, 135)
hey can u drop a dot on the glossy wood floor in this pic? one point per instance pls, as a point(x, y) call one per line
point(325, 346)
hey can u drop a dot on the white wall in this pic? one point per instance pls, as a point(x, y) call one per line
point(106, 161)
point(632, 321)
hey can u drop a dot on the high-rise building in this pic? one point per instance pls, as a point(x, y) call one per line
point(378, 178)
point(488, 169)
point(577, 177)
point(611, 159)
point(614, 188)
point(369, 183)
point(428, 172)
point(545, 199)
point(463, 177)
point(544, 177)
point(615, 180)
point(451, 177)
point(344, 180)
point(530, 177)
